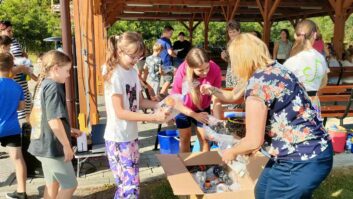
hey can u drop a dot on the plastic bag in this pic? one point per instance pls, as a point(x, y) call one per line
point(168, 105)
point(18, 61)
point(215, 131)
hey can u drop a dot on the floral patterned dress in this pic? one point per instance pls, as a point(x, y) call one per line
point(293, 129)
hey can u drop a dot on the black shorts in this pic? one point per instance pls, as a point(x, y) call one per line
point(182, 121)
point(11, 141)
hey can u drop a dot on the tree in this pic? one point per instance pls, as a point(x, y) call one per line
point(32, 21)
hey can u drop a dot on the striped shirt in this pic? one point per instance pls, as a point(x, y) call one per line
point(16, 51)
point(16, 48)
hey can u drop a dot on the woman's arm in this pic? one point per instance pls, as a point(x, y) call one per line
point(275, 51)
point(128, 115)
point(224, 95)
point(256, 116)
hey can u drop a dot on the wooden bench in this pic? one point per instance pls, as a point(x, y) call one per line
point(336, 102)
point(335, 73)
point(347, 72)
point(340, 73)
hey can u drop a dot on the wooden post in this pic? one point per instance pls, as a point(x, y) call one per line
point(87, 27)
point(67, 46)
point(206, 23)
point(191, 28)
point(206, 20)
point(267, 9)
point(342, 12)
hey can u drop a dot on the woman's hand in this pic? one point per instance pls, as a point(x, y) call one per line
point(68, 153)
point(206, 89)
point(228, 155)
point(201, 117)
point(75, 132)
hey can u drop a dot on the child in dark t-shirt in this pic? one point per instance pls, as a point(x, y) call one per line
point(50, 136)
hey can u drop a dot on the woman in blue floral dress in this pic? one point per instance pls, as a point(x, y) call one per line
point(281, 118)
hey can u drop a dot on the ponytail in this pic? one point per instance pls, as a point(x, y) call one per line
point(112, 56)
point(128, 42)
point(304, 32)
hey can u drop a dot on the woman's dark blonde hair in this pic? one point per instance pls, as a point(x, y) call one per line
point(50, 59)
point(248, 53)
point(304, 35)
point(129, 42)
point(194, 59)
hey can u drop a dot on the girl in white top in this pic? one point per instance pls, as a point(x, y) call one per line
point(123, 100)
point(306, 63)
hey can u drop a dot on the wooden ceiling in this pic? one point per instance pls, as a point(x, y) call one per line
point(181, 10)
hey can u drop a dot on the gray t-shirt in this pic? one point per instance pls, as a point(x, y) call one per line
point(153, 63)
point(48, 104)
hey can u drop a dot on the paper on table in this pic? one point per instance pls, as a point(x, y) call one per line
point(82, 143)
point(178, 50)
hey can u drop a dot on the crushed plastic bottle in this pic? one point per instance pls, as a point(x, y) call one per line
point(168, 105)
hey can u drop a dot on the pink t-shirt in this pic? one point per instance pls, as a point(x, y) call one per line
point(319, 45)
point(214, 78)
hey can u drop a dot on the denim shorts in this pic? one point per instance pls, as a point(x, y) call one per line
point(183, 121)
point(285, 179)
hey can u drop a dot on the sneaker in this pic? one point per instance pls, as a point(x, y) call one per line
point(16, 195)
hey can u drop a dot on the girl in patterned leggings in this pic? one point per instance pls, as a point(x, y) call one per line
point(122, 100)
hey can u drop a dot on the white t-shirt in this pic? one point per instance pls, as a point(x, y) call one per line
point(310, 67)
point(333, 63)
point(346, 63)
point(126, 83)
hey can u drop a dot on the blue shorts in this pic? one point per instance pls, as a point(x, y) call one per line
point(182, 121)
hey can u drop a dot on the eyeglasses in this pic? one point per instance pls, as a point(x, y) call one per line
point(134, 58)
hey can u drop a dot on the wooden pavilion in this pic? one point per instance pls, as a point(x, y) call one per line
point(92, 18)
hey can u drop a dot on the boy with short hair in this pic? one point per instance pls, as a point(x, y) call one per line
point(11, 100)
point(153, 68)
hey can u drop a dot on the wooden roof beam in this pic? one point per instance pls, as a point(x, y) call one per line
point(193, 3)
point(171, 9)
point(290, 4)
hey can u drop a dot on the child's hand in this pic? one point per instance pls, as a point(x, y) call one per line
point(201, 117)
point(224, 55)
point(206, 89)
point(161, 115)
point(75, 132)
point(68, 153)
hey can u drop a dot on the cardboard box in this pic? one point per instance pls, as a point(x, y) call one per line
point(183, 184)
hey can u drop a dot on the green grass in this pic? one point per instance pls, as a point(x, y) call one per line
point(339, 184)
point(157, 190)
